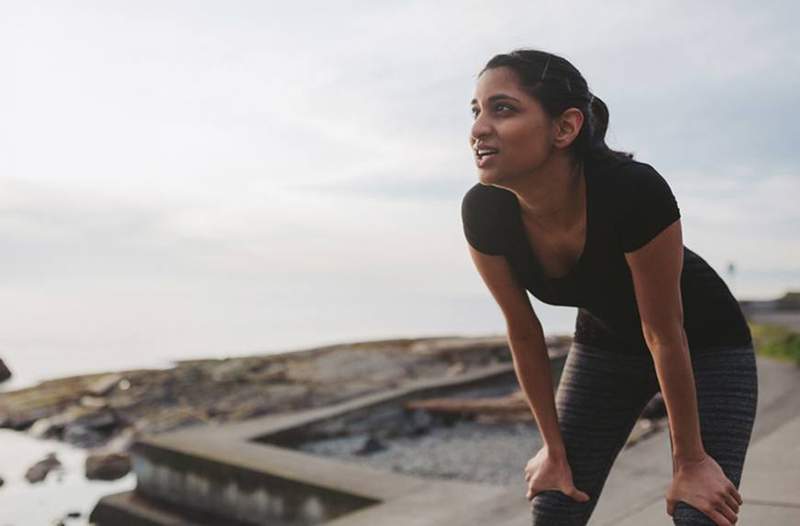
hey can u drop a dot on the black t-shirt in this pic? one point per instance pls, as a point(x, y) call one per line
point(627, 204)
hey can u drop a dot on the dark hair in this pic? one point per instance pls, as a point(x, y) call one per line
point(558, 85)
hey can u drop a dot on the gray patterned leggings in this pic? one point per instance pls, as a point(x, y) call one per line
point(601, 395)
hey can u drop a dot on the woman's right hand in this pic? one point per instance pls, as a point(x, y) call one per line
point(550, 472)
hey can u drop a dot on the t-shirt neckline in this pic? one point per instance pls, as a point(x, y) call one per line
point(523, 238)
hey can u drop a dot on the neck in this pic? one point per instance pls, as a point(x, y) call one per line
point(551, 196)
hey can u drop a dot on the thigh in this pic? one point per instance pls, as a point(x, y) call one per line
point(599, 398)
point(727, 394)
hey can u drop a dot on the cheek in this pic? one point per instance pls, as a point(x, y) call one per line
point(530, 145)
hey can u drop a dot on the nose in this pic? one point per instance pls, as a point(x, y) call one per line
point(480, 128)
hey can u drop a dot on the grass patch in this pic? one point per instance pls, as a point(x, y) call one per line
point(776, 342)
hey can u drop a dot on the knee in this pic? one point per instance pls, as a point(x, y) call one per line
point(553, 508)
point(687, 515)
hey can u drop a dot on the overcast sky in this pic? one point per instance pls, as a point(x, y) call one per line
point(206, 177)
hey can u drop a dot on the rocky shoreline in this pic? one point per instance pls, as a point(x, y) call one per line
point(105, 413)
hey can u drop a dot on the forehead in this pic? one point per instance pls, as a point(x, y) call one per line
point(497, 81)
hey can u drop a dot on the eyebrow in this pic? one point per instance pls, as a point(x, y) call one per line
point(494, 98)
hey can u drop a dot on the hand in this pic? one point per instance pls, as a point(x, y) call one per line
point(702, 484)
point(549, 472)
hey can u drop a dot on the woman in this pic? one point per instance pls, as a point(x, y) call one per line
point(560, 214)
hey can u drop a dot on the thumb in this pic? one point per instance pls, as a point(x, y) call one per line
point(670, 506)
point(578, 495)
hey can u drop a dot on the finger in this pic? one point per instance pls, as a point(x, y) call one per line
point(578, 495)
point(727, 511)
point(737, 495)
point(731, 501)
point(718, 518)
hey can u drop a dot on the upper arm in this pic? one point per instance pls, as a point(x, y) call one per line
point(485, 214)
point(649, 228)
point(510, 296)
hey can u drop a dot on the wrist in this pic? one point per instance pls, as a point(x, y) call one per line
point(557, 452)
point(688, 458)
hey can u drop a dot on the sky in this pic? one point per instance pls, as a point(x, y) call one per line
point(194, 178)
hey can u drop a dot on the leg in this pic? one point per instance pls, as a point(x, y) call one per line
point(600, 396)
point(727, 392)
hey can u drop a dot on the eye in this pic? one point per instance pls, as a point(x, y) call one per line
point(497, 107)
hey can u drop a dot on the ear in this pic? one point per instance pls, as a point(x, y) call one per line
point(568, 126)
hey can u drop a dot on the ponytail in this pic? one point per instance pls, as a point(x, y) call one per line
point(558, 85)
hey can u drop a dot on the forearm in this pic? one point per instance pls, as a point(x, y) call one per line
point(534, 374)
point(674, 370)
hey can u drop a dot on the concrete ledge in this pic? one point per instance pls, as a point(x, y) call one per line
point(131, 509)
point(233, 471)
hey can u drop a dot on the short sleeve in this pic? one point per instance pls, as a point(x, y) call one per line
point(646, 205)
point(482, 215)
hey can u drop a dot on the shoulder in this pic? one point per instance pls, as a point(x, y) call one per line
point(485, 213)
point(643, 202)
point(630, 182)
point(483, 195)
point(632, 175)
point(487, 203)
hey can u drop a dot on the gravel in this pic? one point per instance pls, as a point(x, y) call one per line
point(466, 450)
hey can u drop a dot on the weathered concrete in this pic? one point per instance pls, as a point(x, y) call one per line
point(633, 494)
point(770, 484)
point(233, 471)
point(634, 491)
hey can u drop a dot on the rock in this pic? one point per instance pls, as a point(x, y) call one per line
point(370, 445)
point(121, 442)
point(104, 384)
point(82, 436)
point(456, 369)
point(230, 371)
point(94, 402)
point(2, 482)
point(83, 417)
point(38, 472)
point(107, 466)
point(421, 422)
point(5, 372)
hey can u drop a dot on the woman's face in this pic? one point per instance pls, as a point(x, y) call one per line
point(510, 122)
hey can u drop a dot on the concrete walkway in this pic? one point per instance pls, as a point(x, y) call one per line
point(634, 492)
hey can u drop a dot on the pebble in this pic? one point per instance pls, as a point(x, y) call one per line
point(489, 454)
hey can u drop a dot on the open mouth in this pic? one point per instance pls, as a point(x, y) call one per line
point(483, 153)
point(483, 156)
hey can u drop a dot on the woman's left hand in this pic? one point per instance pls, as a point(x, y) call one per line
point(703, 485)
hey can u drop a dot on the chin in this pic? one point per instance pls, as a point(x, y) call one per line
point(489, 177)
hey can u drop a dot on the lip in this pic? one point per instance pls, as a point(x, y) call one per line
point(485, 160)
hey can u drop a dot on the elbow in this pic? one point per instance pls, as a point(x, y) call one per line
point(670, 337)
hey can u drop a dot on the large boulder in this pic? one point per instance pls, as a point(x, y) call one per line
point(5, 373)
